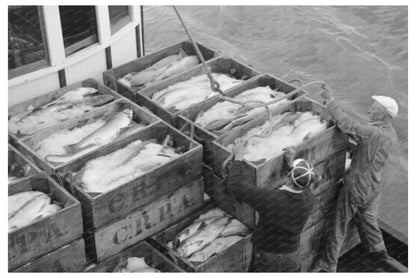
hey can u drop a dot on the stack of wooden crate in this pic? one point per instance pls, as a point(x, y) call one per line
point(53, 243)
point(326, 150)
point(139, 217)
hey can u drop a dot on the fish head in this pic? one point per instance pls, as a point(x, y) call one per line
point(99, 100)
point(128, 112)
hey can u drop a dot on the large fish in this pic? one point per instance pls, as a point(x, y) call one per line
point(235, 228)
point(178, 67)
point(215, 247)
point(202, 238)
point(50, 115)
point(153, 71)
point(26, 207)
point(184, 94)
point(119, 167)
point(163, 69)
point(224, 113)
point(105, 134)
point(135, 264)
point(289, 129)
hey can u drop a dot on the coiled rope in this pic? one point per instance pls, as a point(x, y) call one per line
point(215, 86)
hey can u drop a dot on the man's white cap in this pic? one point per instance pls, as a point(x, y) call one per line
point(388, 103)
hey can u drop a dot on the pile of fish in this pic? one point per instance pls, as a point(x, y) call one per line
point(182, 95)
point(225, 115)
point(135, 264)
point(114, 169)
point(289, 129)
point(162, 69)
point(72, 104)
point(29, 206)
point(66, 145)
point(210, 234)
point(16, 171)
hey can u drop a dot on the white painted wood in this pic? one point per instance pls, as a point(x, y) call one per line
point(54, 38)
point(124, 49)
point(103, 25)
point(135, 13)
point(91, 67)
point(33, 88)
point(86, 63)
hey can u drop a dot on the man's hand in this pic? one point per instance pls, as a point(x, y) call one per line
point(290, 153)
point(327, 93)
point(239, 150)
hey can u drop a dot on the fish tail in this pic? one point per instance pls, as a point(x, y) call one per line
point(72, 148)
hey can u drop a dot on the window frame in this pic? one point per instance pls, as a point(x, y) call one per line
point(43, 63)
point(56, 52)
point(123, 22)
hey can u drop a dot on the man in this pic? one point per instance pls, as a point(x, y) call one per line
point(283, 213)
point(360, 195)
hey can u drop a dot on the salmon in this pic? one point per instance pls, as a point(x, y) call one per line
point(184, 94)
point(224, 113)
point(215, 247)
point(50, 115)
point(202, 238)
point(234, 228)
point(289, 129)
point(105, 134)
point(29, 206)
point(114, 169)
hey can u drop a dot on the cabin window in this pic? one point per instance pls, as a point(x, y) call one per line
point(79, 27)
point(26, 40)
point(119, 17)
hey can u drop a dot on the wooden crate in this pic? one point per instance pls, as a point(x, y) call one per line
point(104, 208)
point(218, 65)
point(142, 250)
point(145, 221)
point(48, 97)
point(332, 170)
point(315, 149)
point(69, 258)
point(206, 137)
point(111, 76)
point(15, 156)
point(236, 258)
point(48, 233)
point(27, 144)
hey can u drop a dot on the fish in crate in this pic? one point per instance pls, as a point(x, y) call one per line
point(72, 104)
point(288, 129)
point(165, 68)
point(210, 234)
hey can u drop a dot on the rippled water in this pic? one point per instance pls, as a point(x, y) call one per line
point(359, 51)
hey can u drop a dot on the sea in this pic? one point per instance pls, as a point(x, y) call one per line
point(359, 51)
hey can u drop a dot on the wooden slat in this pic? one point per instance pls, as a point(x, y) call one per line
point(141, 250)
point(147, 220)
point(48, 97)
point(28, 143)
point(69, 258)
point(48, 233)
point(236, 258)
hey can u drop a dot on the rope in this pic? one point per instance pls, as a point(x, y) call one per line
point(215, 86)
